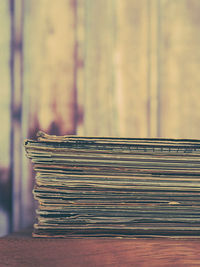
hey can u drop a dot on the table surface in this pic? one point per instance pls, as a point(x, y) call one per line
point(21, 249)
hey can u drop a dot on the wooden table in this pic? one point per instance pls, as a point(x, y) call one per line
point(21, 249)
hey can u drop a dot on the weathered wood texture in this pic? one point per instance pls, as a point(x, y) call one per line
point(179, 62)
point(49, 65)
point(132, 67)
point(5, 99)
point(92, 67)
point(16, 76)
point(99, 88)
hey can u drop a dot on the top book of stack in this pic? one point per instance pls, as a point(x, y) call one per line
point(119, 187)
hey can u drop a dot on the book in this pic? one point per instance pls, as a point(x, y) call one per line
point(116, 187)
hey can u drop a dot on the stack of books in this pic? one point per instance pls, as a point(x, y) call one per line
point(119, 187)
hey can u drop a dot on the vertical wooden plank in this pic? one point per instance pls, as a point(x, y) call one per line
point(80, 45)
point(50, 58)
point(16, 110)
point(5, 94)
point(179, 72)
point(153, 65)
point(99, 114)
point(132, 67)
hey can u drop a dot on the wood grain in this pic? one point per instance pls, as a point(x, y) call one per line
point(179, 61)
point(152, 87)
point(132, 68)
point(16, 110)
point(99, 101)
point(49, 55)
point(23, 250)
point(5, 98)
point(80, 79)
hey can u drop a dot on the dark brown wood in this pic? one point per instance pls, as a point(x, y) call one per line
point(23, 250)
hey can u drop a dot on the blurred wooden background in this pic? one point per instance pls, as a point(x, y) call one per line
point(92, 67)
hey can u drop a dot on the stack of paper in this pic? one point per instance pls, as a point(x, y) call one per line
point(122, 187)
